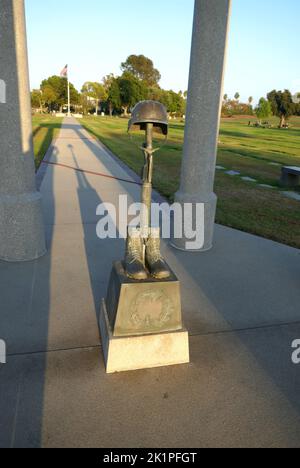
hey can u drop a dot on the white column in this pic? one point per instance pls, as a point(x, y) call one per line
point(209, 43)
point(22, 234)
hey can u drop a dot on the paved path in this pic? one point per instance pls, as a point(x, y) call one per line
point(240, 304)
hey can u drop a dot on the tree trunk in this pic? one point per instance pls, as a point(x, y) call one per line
point(282, 121)
point(110, 109)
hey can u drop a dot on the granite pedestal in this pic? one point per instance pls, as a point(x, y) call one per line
point(141, 323)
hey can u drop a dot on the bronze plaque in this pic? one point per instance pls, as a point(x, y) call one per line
point(142, 307)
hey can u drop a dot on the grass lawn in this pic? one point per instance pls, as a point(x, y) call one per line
point(242, 205)
point(45, 128)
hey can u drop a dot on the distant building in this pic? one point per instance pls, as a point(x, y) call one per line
point(92, 100)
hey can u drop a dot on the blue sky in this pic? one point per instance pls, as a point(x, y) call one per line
point(95, 36)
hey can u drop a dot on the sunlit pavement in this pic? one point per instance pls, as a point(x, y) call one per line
point(240, 305)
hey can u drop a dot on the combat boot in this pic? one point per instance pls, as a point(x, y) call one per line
point(134, 258)
point(154, 260)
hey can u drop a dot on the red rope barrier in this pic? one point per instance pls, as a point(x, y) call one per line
point(92, 173)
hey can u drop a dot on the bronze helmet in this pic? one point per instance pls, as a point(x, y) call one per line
point(149, 112)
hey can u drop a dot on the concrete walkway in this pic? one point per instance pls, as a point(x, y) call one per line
point(241, 304)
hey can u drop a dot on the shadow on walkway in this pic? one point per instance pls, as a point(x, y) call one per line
point(246, 286)
point(240, 304)
point(24, 321)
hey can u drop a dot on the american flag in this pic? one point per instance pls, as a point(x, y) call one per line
point(64, 72)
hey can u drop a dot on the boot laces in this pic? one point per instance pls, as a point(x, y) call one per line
point(135, 250)
point(154, 250)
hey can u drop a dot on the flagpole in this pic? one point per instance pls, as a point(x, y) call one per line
point(69, 104)
point(65, 74)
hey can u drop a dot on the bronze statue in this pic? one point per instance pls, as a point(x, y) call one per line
point(140, 319)
point(143, 252)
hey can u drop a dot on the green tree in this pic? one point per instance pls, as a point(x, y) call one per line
point(175, 103)
point(237, 96)
point(264, 109)
point(225, 97)
point(114, 96)
point(107, 81)
point(156, 94)
point(36, 99)
point(282, 105)
point(49, 97)
point(297, 105)
point(142, 68)
point(112, 90)
point(95, 91)
point(132, 90)
point(59, 87)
